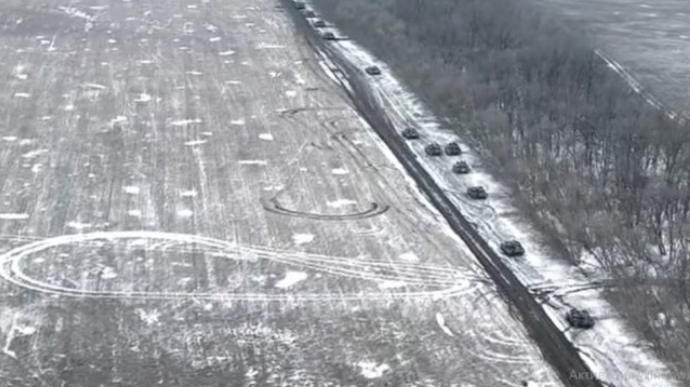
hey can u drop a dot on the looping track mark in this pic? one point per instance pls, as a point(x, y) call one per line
point(272, 205)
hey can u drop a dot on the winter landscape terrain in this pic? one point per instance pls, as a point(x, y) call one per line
point(188, 199)
point(649, 38)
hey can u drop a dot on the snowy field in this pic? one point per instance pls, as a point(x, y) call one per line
point(610, 349)
point(188, 200)
point(650, 39)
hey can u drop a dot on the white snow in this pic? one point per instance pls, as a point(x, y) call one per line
point(389, 284)
point(134, 213)
point(214, 39)
point(132, 190)
point(24, 330)
point(340, 171)
point(195, 142)
point(78, 225)
point(148, 317)
point(441, 321)
point(108, 273)
point(252, 162)
point(301, 239)
point(291, 93)
point(188, 194)
point(409, 257)
point(341, 203)
point(227, 53)
point(9, 138)
point(266, 136)
point(178, 123)
point(290, 279)
point(22, 95)
point(10, 216)
point(237, 122)
point(371, 370)
point(185, 213)
point(33, 154)
point(143, 98)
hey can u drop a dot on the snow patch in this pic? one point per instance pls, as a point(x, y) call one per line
point(132, 190)
point(409, 257)
point(372, 371)
point(252, 162)
point(185, 213)
point(24, 330)
point(290, 279)
point(148, 317)
point(33, 154)
point(340, 203)
point(134, 213)
point(78, 225)
point(178, 123)
point(8, 216)
point(389, 284)
point(195, 142)
point(266, 136)
point(340, 171)
point(441, 321)
point(108, 273)
point(237, 122)
point(188, 194)
point(291, 93)
point(143, 98)
point(263, 46)
point(301, 239)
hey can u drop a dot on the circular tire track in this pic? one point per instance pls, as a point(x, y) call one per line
point(272, 205)
point(436, 282)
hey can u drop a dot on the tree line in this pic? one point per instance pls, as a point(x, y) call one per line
point(597, 163)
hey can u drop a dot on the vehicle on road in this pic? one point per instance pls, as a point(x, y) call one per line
point(461, 167)
point(329, 36)
point(477, 193)
point(309, 14)
point(300, 5)
point(512, 248)
point(373, 70)
point(579, 318)
point(410, 134)
point(453, 149)
point(319, 24)
point(433, 149)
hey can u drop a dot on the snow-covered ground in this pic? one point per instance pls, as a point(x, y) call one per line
point(611, 349)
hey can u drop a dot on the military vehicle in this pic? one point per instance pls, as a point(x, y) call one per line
point(512, 248)
point(410, 133)
point(461, 167)
point(433, 150)
point(453, 149)
point(579, 318)
point(477, 193)
point(373, 70)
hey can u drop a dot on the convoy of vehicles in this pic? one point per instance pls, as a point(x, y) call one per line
point(577, 318)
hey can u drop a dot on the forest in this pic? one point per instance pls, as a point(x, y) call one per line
point(592, 162)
